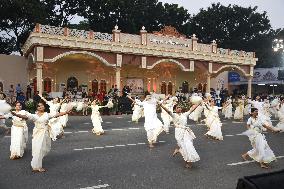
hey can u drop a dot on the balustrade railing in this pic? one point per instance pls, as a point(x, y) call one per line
point(156, 40)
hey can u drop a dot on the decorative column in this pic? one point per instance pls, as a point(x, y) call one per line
point(208, 86)
point(194, 40)
point(249, 87)
point(117, 78)
point(116, 34)
point(39, 77)
point(143, 35)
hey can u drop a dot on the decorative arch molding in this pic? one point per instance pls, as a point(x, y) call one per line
point(170, 61)
point(62, 55)
point(31, 59)
point(229, 67)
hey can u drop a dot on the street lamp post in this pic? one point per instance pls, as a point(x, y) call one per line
point(277, 45)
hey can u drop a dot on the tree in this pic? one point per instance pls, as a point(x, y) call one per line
point(17, 19)
point(131, 15)
point(235, 27)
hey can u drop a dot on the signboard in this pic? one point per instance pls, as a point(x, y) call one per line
point(260, 75)
point(136, 85)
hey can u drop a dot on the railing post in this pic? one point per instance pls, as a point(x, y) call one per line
point(37, 28)
point(194, 42)
point(116, 34)
point(143, 35)
point(214, 46)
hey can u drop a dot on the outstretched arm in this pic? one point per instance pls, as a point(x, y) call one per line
point(167, 110)
point(62, 114)
point(43, 98)
point(271, 128)
point(19, 115)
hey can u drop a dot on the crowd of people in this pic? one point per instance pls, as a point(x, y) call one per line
point(207, 108)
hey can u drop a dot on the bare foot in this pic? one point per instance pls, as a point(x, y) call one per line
point(188, 165)
point(175, 152)
point(40, 170)
point(244, 156)
point(151, 145)
point(264, 166)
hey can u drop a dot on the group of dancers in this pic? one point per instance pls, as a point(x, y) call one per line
point(50, 126)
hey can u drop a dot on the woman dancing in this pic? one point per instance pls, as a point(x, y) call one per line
point(41, 143)
point(19, 132)
point(261, 151)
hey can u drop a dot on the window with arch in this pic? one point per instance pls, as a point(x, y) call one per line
point(1, 86)
point(170, 88)
point(103, 85)
point(184, 87)
point(95, 86)
point(163, 87)
point(47, 85)
point(72, 83)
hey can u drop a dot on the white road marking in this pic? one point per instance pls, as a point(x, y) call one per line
point(129, 121)
point(237, 122)
point(134, 128)
point(119, 117)
point(88, 148)
point(82, 131)
point(7, 136)
point(246, 162)
point(86, 123)
point(118, 145)
point(118, 129)
point(108, 122)
point(68, 132)
point(97, 186)
point(229, 135)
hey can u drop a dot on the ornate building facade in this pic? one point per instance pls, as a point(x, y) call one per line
point(164, 61)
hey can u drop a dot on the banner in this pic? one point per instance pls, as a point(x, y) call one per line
point(136, 85)
point(260, 75)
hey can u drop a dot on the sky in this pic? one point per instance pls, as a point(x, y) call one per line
point(274, 8)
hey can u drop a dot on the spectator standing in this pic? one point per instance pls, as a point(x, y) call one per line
point(29, 92)
point(18, 90)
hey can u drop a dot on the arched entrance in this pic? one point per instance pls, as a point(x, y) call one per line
point(72, 83)
point(163, 87)
point(170, 88)
point(184, 87)
point(103, 85)
point(47, 85)
point(95, 86)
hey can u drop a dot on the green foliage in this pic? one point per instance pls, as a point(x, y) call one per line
point(233, 27)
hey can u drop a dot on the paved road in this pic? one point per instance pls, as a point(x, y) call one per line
point(121, 159)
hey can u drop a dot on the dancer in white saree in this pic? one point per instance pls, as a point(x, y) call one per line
point(41, 143)
point(4, 109)
point(228, 109)
point(280, 125)
point(96, 118)
point(56, 130)
point(239, 112)
point(213, 121)
point(137, 111)
point(19, 133)
point(167, 119)
point(261, 151)
point(184, 135)
point(152, 125)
